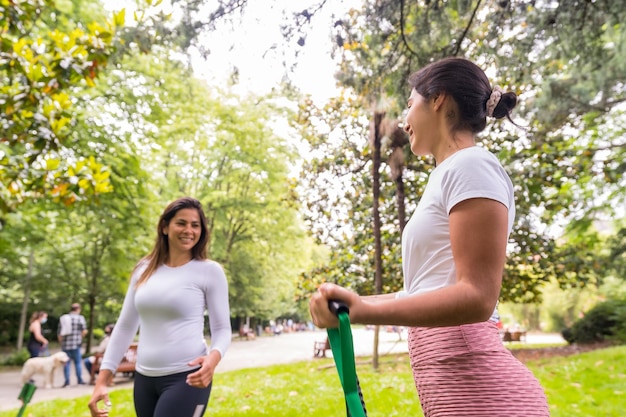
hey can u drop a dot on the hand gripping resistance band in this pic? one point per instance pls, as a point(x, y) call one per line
point(343, 353)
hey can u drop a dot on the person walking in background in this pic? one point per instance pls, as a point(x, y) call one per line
point(169, 292)
point(36, 341)
point(72, 329)
point(89, 361)
point(453, 255)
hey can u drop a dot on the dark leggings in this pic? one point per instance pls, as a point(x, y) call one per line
point(34, 351)
point(169, 395)
point(34, 348)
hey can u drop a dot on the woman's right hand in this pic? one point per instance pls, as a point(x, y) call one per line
point(318, 305)
point(100, 395)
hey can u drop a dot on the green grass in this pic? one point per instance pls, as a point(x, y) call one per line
point(589, 384)
point(524, 345)
point(592, 383)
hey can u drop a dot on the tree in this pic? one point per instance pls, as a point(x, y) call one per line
point(125, 131)
point(569, 154)
point(88, 251)
point(616, 258)
point(571, 101)
point(97, 265)
point(222, 149)
point(239, 170)
point(336, 185)
point(50, 54)
point(41, 69)
point(20, 264)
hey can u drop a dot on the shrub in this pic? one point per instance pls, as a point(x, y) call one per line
point(10, 316)
point(16, 358)
point(605, 321)
point(9, 320)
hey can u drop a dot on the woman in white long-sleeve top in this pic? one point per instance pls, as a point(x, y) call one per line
point(169, 292)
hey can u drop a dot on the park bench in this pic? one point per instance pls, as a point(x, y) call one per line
point(320, 348)
point(514, 336)
point(246, 333)
point(125, 368)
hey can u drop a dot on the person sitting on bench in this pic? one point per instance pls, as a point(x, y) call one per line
point(89, 361)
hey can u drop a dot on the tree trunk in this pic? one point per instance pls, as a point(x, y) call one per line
point(24, 313)
point(376, 163)
point(94, 271)
point(400, 202)
point(90, 324)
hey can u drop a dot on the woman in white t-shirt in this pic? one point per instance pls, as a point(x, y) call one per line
point(453, 255)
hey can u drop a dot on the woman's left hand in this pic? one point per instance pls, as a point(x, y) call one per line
point(203, 376)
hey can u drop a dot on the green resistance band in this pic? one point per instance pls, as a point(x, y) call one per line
point(26, 394)
point(343, 353)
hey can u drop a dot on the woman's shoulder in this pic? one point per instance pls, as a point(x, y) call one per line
point(207, 265)
point(471, 155)
point(138, 269)
point(208, 273)
point(475, 160)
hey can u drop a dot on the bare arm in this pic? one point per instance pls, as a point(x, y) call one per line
point(478, 233)
point(100, 394)
point(378, 297)
point(105, 377)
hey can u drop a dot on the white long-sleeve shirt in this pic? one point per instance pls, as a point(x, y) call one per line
point(168, 310)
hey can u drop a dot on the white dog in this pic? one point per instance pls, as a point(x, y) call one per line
point(44, 365)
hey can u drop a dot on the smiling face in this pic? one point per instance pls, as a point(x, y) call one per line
point(183, 231)
point(420, 124)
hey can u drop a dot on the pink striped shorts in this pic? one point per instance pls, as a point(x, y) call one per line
point(466, 371)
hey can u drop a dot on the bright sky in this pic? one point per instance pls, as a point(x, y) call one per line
point(256, 47)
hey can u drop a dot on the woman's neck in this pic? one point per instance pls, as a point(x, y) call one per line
point(452, 144)
point(178, 259)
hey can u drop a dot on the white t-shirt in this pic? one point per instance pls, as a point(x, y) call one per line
point(168, 309)
point(472, 172)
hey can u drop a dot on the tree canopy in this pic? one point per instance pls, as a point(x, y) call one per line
point(98, 110)
point(564, 61)
point(155, 133)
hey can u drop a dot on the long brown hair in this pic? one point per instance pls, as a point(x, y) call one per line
point(161, 250)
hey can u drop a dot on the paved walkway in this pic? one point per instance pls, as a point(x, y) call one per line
point(263, 351)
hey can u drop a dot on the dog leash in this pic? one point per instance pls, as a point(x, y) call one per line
point(342, 347)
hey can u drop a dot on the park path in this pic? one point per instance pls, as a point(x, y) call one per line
point(242, 354)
